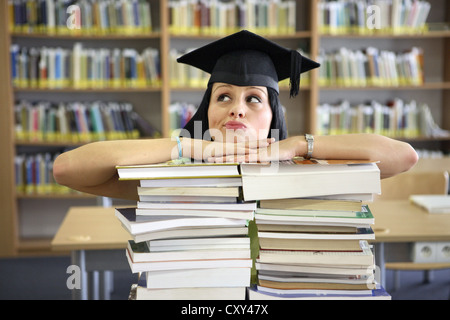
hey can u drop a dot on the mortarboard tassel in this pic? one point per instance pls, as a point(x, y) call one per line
point(296, 66)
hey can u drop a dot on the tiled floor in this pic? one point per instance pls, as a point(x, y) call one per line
point(45, 279)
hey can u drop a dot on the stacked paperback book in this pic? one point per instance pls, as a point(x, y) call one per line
point(313, 234)
point(189, 230)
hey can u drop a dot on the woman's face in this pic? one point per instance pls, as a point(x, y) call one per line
point(239, 113)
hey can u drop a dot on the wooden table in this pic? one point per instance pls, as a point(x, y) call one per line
point(399, 224)
point(97, 242)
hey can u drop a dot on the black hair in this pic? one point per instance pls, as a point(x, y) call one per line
point(278, 123)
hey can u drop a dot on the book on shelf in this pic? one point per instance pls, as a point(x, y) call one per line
point(432, 203)
point(176, 169)
point(84, 68)
point(100, 17)
point(180, 113)
point(371, 67)
point(395, 118)
point(34, 175)
point(354, 17)
point(224, 17)
point(78, 122)
point(317, 178)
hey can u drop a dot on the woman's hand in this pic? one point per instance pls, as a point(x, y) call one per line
point(204, 150)
point(280, 150)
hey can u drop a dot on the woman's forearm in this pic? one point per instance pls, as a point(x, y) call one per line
point(394, 156)
point(92, 166)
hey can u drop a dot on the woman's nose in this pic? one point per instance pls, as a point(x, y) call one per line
point(238, 110)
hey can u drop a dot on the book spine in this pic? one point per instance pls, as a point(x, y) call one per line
point(51, 68)
point(100, 17)
point(397, 17)
point(220, 17)
point(396, 118)
point(75, 122)
point(34, 174)
point(374, 67)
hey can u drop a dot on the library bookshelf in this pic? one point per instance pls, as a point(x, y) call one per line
point(302, 116)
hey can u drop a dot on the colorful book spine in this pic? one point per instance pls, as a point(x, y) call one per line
point(96, 17)
point(34, 174)
point(180, 113)
point(371, 67)
point(219, 17)
point(373, 17)
point(396, 118)
point(76, 122)
point(82, 68)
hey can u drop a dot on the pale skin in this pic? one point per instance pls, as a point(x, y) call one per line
point(240, 117)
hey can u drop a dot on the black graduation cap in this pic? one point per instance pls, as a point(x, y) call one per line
point(247, 59)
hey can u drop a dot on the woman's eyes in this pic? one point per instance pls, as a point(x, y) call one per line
point(223, 98)
point(253, 99)
point(249, 99)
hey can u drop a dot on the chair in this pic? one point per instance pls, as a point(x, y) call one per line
point(400, 187)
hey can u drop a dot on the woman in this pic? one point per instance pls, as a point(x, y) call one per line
point(239, 119)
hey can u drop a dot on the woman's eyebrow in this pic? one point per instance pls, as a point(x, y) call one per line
point(259, 89)
point(222, 85)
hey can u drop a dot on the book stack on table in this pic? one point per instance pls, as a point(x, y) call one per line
point(189, 230)
point(313, 229)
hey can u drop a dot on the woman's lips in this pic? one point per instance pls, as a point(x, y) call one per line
point(234, 125)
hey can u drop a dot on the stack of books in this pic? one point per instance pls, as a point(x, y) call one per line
point(313, 234)
point(189, 230)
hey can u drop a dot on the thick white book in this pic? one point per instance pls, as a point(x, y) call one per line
point(300, 178)
point(432, 203)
